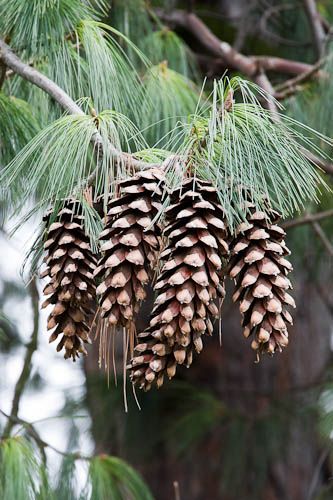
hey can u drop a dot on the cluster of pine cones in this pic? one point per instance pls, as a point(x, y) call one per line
point(191, 255)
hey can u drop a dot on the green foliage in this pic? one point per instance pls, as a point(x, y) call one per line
point(131, 18)
point(57, 162)
point(111, 477)
point(165, 45)
point(36, 25)
point(23, 476)
point(20, 476)
point(249, 153)
point(17, 129)
point(169, 98)
point(111, 80)
point(313, 105)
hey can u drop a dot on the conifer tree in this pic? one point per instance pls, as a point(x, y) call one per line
point(145, 176)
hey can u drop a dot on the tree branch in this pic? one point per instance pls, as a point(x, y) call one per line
point(289, 87)
point(249, 65)
point(14, 420)
point(30, 349)
point(307, 219)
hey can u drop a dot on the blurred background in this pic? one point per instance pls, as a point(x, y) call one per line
point(228, 428)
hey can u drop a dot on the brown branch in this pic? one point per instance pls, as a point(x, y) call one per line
point(14, 420)
point(289, 87)
point(325, 165)
point(307, 219)
point(30, 349)
point(317, 28)
point(280, 65)
point(263, 82)
point(249, 65)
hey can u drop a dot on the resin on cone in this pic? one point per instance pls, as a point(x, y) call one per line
point(131, 242)
point(260, 268)
point(190, 281)
point(71, 289)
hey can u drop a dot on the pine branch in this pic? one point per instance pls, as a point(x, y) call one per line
point(26, 370)
point(14, 420)
point(35, 77)
point(307, 219)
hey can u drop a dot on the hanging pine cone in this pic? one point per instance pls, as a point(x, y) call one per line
point(259, 268)
point(189, 282)
point(130, 248)
point(70, 267)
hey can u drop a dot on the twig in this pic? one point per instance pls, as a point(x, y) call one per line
point(322, 236)
point(289, 87)
point(39, 441)
point(177, 491)
point(325, 165)
point(30, 349)
point(263, 82)
point(308, 218)
point(317, 28)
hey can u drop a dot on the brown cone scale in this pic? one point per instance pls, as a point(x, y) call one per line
point(190, 281)
point(131, 242)
point(260, 268)
point(71, 289)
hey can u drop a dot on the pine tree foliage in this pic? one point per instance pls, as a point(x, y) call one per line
point(36, 26)
point(19, 127)
point(110, 474)
point(165, 45)
point(225, 136)
point(312, 106)
point(20, 474)
point(169, 98)
point(24, 476)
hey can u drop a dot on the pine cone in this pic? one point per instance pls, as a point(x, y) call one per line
point(189, 282)
point(131, 244)
point(259, 268)
point(71, 288)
